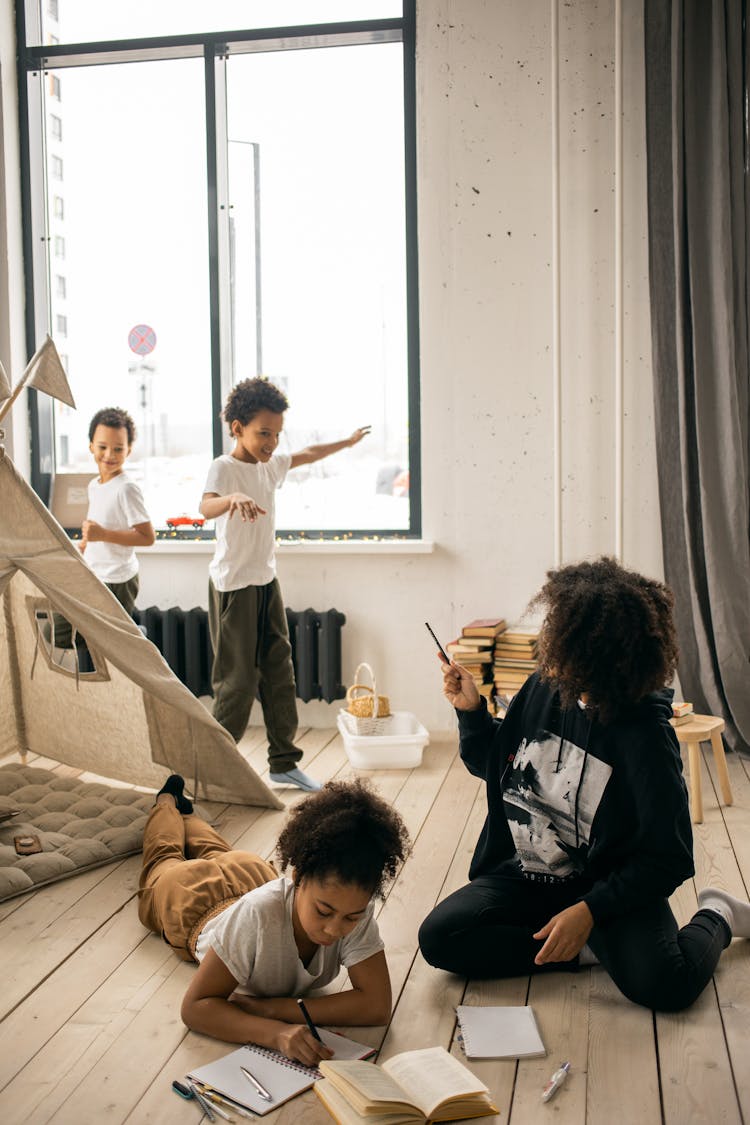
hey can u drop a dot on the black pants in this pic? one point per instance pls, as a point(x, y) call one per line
point(484, 930)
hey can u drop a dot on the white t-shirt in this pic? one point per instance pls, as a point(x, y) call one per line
point(117, 505)
point(254, 937)
point(246, 552)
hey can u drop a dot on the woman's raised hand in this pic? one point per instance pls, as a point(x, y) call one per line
point(459, 687)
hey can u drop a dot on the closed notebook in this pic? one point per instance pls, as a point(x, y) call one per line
point(499, 1032)
point(282, 1077)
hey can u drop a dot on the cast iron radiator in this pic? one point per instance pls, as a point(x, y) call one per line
point(182, 638)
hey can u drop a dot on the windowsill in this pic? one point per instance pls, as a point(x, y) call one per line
point(301, 546)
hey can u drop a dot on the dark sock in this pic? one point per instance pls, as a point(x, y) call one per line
point(174, 785)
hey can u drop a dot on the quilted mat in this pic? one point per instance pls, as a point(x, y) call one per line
point(79, 825)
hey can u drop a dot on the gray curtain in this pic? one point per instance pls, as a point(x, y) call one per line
point(698, 224)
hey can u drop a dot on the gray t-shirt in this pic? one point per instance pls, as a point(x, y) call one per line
point(254, 937)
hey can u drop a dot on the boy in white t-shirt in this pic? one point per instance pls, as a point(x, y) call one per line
point(263, 941)
point(117, 521)
point(247, 619)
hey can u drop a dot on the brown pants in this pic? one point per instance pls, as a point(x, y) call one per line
point(190, 874)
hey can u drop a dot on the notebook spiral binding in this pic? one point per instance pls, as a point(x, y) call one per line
point(283, 1060)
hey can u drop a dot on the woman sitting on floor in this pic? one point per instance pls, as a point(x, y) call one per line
point(588, 831)
point(262, 941)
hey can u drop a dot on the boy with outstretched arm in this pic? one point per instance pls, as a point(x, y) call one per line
point(246, 612)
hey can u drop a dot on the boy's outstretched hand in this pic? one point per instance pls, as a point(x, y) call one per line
point(459, 687)
point(357, 436)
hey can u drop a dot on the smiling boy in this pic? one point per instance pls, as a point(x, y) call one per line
point(247, 619)
point(117, 521)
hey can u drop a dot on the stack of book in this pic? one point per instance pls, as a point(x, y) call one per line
point(474, 650)
point(515, 660)
point(681, 713)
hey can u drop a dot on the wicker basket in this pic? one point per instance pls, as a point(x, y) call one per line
point(370, 710)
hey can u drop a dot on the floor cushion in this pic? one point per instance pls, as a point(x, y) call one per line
point(80, 825)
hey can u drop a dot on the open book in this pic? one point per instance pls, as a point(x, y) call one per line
point(418, 1086)
point(279, 1076)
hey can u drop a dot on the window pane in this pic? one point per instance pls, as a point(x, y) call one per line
point(324, 130)
point(128, 235)
point(85, 21)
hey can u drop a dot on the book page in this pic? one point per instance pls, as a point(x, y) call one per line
point(372, 1082)
point(343, 1112)
point(430, 1076)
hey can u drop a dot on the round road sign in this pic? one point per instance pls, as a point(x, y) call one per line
point(141, 339)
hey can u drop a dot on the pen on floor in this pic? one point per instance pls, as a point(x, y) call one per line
point(215, 1103)
point(254, 1081)
point(207, 1109)
point(306, 1015)
point(555, 1081)
point(215, 1096)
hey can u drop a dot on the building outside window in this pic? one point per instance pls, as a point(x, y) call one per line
point(303, 272)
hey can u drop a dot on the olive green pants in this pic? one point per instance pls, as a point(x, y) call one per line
point(252, 654)
point(125, 592)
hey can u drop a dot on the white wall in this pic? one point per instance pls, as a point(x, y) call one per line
point(522, 241)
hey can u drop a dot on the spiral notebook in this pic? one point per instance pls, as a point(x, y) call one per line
point(282, 1077)
point(499, 1032)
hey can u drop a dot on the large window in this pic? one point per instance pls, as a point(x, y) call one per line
point(231, 205)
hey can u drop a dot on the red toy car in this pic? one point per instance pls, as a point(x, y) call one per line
point(186, 521)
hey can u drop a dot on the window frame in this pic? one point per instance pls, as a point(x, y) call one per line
point(213, 47)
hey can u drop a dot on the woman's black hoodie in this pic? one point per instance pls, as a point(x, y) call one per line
point(569, 797)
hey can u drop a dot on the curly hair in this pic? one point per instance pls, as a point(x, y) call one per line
point(251, 396)
point(114, 417)
point(347, 832)
point(608, 632)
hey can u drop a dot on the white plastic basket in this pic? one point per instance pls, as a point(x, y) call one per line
point(399, 746)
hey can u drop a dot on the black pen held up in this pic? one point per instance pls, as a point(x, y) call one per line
point(443, 653)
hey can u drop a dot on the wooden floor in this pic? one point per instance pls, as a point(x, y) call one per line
point(90, 1002)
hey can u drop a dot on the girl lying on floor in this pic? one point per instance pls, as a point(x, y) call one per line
point(262, 940)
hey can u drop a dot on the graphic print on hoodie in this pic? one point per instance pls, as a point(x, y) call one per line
point(551, 794)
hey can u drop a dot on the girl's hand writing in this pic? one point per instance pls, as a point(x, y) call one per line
point(566, 934)
point(459, 687)
point(248, 509)
point(296, 1042)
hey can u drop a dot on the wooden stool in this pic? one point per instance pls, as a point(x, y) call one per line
point(703, 728)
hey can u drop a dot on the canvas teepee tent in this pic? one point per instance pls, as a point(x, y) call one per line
point(131, 719)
